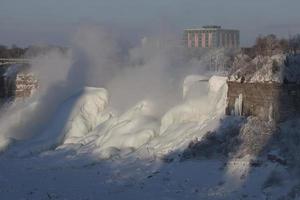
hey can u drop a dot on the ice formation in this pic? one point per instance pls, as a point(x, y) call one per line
point(238, 105)
point(75, 118)
point(87, 123)
point(191, 81)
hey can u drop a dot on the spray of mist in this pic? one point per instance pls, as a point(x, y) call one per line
point(150, 71)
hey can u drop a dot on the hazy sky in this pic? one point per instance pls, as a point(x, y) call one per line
point(24, 22)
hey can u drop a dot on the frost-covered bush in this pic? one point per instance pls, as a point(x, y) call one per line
point(277, 68)
point(217, 60)
point(235, 138)
point(219, 143)
point(255, 137)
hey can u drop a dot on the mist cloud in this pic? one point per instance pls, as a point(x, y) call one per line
point(153, 71)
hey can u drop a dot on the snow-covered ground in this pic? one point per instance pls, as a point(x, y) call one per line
point(89, 150)
point(61, 177)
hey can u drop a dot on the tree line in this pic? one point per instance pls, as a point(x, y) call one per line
point(12, 52)
point(28, 52)
point(271, 45)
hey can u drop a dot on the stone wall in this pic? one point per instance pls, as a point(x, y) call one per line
point(265, 100)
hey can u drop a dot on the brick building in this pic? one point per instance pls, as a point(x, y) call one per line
point(211, 37)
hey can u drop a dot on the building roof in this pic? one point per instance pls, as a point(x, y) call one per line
point(209, 27)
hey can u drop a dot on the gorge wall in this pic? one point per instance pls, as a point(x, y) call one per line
point(276, 101)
